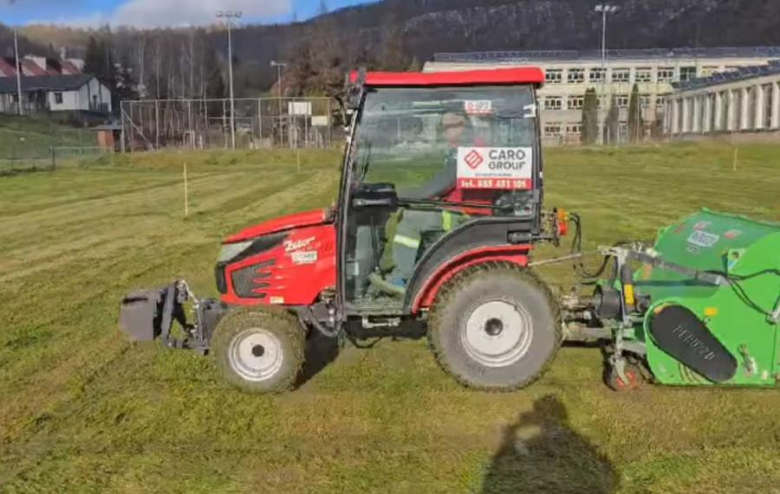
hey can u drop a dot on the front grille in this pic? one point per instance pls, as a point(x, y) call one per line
point(244, 280)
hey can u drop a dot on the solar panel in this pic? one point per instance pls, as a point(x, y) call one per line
point(645, 53)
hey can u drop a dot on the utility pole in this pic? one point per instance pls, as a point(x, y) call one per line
point(18, 72)
point(229, 16)
point(18, 66)
point(605, 10)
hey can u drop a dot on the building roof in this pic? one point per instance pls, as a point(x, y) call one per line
point(45, 83)
point(68, 67)
point(637, 54)
point(521, 75)
point(31, 67)
point(7, 67)
point(741, 74)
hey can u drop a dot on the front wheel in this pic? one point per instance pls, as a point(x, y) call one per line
point(259, 351)
point(495, 327)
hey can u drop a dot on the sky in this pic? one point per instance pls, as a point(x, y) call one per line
point(152, 13)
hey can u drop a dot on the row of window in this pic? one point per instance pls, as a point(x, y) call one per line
point(618, 75)
point(555, 129)
point(560, 129)
point(577, 102)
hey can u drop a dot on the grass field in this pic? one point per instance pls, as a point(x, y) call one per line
point(82, 410)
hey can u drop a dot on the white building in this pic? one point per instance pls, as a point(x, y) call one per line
point(55, 93)
point(570, 73)
point(745, 101)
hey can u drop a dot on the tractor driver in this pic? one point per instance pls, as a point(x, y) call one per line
point(408, 234)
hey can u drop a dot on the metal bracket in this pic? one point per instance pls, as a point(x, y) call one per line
point(751, 368)
point(616, 360)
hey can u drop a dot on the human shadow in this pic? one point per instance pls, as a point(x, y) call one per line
point(319, 352)
point(541, 453)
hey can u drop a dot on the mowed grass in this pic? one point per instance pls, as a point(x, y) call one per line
point(83, 410)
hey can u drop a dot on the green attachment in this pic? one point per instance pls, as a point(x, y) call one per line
point(740, 313)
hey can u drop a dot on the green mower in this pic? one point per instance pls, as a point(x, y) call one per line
point(703, 308)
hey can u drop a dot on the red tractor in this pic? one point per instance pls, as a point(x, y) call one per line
point(440, 206)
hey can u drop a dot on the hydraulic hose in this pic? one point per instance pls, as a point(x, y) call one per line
point(576, 248)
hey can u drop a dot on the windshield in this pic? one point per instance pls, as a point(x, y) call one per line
point(416, 138)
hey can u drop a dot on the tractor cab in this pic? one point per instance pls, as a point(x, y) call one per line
point(439, 166)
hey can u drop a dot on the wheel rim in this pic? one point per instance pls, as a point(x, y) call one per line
point(498, 334)
point(633, 380)
point(256, 354)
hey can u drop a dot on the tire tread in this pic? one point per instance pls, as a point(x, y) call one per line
point(275, 320)
point(448, 292)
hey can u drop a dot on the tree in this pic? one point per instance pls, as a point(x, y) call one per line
point(214, 83)
point(635, 121)
point(323, 9)
point(415, 66)
point(611, 124)
point(126, 84)
point(590, 117)
point(301, 69)
point(393, 56)
point(95, 58)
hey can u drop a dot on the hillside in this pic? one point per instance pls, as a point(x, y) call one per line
point(26, 45)
point(389, 34)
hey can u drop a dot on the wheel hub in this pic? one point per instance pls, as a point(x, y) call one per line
point(493, 327)
point(256, 354)
point(497, 333)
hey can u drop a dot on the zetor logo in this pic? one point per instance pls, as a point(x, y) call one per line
point(474, 159)
point(291, 245)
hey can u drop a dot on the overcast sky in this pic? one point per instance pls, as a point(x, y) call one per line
point(149, 13)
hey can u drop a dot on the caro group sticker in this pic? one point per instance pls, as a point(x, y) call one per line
point(495, 168)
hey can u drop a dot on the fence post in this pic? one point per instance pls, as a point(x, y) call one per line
point(53, 158)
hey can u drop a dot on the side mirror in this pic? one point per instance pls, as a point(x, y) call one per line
point(375, 196)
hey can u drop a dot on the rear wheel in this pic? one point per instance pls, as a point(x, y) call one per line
point(495, 327)
point(259, 351)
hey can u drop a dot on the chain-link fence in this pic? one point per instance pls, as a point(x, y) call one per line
point(211, 123)
point(37, 144)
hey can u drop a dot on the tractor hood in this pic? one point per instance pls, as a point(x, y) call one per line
point(297, 220)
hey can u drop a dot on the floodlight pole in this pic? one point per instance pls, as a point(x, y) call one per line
point(229, 16)
point(605, 9)
point(279, 66)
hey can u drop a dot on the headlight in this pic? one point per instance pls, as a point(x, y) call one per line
point(231, 251)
